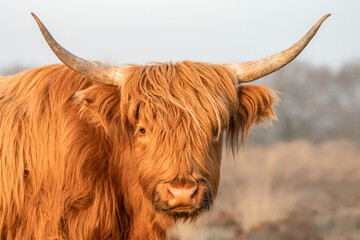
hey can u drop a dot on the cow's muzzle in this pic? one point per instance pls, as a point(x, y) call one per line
point(182, 198)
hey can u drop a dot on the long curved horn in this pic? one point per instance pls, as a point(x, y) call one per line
point(99, 72)
point(250, 71)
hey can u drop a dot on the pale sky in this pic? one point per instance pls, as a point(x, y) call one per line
point(142, 31)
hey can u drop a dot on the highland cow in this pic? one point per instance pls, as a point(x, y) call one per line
point(96, 151)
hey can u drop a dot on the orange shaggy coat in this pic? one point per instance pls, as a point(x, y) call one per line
point(67, 148)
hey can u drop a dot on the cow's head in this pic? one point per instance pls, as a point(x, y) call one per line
point(174, 117)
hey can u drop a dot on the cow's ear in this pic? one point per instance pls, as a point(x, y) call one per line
point(255, 105)
point(99, 105)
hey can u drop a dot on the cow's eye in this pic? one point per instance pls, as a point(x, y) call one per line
point(142, 131)
point(215, 132)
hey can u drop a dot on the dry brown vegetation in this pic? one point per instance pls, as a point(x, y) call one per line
point(289, 191)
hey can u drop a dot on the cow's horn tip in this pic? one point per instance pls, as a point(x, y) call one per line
point(35, 17)
point(326, 16)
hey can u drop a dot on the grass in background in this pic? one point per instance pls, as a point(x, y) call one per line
point(289, 191)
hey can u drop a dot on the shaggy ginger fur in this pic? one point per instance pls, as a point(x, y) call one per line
point(74, 164)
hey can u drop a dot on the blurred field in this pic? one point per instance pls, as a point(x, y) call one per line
point(291, 191)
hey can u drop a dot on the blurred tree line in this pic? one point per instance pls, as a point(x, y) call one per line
point(316, 103)
point(10, 70)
